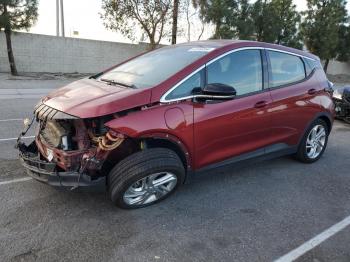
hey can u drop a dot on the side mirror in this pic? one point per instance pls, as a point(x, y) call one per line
point(218, 91)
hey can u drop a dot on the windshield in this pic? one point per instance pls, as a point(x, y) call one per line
point(154, 67)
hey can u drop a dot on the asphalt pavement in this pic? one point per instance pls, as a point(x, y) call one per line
point(256, 213)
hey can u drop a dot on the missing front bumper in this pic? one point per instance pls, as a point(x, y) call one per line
point(46, 172)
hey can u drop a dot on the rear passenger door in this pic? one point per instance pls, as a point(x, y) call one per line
point(293, 92)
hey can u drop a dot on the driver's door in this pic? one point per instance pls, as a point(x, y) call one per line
point(225, 129)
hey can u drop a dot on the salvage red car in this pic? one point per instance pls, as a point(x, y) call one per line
point(143, 127)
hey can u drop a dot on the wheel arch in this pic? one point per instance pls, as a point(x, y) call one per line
point(171, 142)
point(325, 116)
point(136, 144)
point(328, 121)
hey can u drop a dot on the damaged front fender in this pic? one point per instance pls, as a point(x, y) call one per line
point(170, 122)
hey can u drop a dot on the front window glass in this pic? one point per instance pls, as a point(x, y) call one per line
point(241, 69)
point(185, 89)
point(285, 69)
point(154, 67)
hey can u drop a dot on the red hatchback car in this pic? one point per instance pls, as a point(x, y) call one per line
point(142, 127)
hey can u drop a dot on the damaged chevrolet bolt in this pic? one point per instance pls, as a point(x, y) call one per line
point(139, 130)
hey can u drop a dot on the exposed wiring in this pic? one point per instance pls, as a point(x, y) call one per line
point(107, 142)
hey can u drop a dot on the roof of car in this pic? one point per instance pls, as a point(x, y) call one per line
point(222, 43)
point(214, 43)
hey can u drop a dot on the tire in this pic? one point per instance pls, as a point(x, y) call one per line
point(304, 153)
point(141, 172)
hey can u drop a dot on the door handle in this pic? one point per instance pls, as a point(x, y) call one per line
point(260, 104)
point(312, 91)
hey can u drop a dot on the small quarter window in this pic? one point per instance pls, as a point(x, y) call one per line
point(308, 67)
point(285, 69)
point(311, 65)
point(185, 89)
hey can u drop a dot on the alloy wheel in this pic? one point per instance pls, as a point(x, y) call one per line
point(150, 188)
point(316, 141)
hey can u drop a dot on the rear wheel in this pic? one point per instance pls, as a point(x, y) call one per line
point(145, 178)
point(314, 142)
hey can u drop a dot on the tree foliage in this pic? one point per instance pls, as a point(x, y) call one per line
point(264, 21)
point(321, 27)
point(16, 15)
point(151, 16)
point(219, 12)
point(19, 14)
point(287, 21)
point(244, 23)
point(344, 44)
point(274, 21)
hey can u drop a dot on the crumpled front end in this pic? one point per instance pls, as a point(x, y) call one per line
point(68, 151)
point(341, 99)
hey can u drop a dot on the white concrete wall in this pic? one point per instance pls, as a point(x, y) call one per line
point(42, 53)
point(338, 68)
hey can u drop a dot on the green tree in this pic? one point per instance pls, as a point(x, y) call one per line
point(287, 20)
point(243, 21)
point(264, 21)
point(151, 16)
point(16, 15)
point(344, 44)
point(321, 26)
point(219, 12)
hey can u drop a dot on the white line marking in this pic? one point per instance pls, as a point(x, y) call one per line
point(15, 138)
point(11, 119)
point(312, 243)
point(15, 180)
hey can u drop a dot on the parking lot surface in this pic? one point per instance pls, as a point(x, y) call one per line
point(255, 213)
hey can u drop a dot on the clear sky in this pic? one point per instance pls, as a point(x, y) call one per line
point(83, 16)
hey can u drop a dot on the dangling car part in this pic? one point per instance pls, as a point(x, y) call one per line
point(341, 98)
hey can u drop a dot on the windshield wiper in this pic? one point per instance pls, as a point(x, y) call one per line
point(113, 82)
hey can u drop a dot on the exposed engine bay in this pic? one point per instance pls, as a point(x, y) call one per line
point(71, 135)
point(74, 144)
point(341, 98)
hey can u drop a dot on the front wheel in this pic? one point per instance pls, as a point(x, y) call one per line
point(314, 142)
point(145, 178)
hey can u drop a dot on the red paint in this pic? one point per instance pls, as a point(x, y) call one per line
point(151, 122)
point(175, 118)
point(89, 98)
point(230, 128)
point(209, 133)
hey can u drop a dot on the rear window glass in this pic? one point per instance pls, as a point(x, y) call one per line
point(285, 69)
point(154, 67)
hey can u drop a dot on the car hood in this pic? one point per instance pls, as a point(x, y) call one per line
point(90, 98)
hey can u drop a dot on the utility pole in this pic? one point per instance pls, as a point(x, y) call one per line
point(59, 10)
point(62, 19)
point(57, 18)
